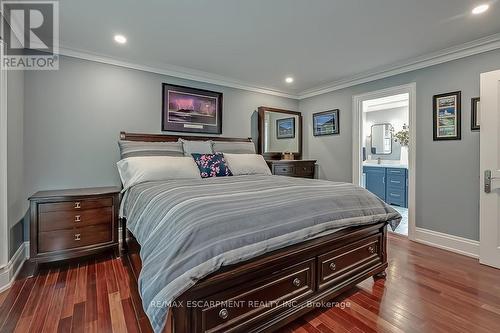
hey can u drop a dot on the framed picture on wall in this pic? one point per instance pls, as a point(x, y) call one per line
point(192, 110)
point(285, 128)
point(447, 116)
point(475, 114)
point(326, 123)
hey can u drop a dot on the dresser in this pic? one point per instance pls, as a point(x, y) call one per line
point(72, 223)
point(293, 168)
point(389, 184)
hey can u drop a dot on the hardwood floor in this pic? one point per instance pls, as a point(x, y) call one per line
point(426, 290)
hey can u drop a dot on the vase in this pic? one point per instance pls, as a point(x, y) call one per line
point(404, 155)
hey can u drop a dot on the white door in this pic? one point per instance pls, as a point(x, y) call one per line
point(490, 169)
point(3, 164)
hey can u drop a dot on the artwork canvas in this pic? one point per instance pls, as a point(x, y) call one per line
point(447, 116)
point(475, 114)
point(326, 123)
point(191, 110)
point(285, 128)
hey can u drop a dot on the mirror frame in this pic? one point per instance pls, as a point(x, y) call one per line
point(371, 138)
point(298, 130)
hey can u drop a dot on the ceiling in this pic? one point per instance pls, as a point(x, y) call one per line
point(258, 43)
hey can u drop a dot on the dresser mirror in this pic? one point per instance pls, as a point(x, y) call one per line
point(381, 139)
point(280, 131)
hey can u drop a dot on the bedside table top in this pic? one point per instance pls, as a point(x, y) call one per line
point(78, 192)
point(289, 161)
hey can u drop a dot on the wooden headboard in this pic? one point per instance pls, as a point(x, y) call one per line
point(174, 138)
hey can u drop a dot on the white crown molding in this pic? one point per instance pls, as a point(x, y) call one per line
point(448, 242)
point(176, 71)
point(477, 46)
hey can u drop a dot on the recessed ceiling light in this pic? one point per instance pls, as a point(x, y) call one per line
point(289, 79)
point(480, 9)
point(120, 39)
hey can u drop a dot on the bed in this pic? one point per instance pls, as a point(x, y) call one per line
point(249, 253)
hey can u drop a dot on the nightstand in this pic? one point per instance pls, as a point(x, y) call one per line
point(293, 168)
point(72, 223)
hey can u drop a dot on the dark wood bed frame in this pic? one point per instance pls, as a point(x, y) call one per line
point(269, 291)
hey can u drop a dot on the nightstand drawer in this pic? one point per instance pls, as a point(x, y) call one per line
point(56, 220)
point(76, 205)
point(283, 169)
point(73, 238)
point(304, 170)
point(293, 168)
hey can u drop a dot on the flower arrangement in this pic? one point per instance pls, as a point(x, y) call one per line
point(403, 136)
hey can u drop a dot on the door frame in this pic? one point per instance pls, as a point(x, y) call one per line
point(4, 230)
point(357, 106)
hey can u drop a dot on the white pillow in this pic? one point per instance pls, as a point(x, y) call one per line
point(233, 147)
point(247, 164)
point(134, 170)
point(197, 147)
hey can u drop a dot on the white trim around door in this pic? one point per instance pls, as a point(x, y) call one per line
point(4, 230)
point(357, 107)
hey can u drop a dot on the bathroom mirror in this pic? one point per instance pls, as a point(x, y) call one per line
point(279, 131)
point(381, 139)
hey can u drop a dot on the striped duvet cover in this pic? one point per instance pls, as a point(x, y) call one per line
point(188, 229)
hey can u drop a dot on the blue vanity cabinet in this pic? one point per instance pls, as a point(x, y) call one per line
point(389, 184)
point(375, 180)
point(395, 193)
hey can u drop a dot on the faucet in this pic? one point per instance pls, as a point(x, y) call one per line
point(379, 160)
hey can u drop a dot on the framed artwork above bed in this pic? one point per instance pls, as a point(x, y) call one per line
point(193, 110)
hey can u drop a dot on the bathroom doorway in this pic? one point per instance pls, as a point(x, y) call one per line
point(384, 150)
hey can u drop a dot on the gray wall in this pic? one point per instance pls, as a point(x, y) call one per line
point(16, 201)
point(447, 189)
point(73, 118)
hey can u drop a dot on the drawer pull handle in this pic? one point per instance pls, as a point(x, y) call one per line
point(78, 205)
point(395, 195)
point(283, 169)
point(371, 249)
point(223, 313)
point(77, 237)
point(395, 182)
point(296, 282)
point(333, 266)
point(78, 218)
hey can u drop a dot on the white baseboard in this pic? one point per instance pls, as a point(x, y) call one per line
point(9, 272)
point(448, 242)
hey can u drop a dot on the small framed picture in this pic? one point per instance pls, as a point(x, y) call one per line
point(475, 114)
point(326, 123)
point(447, 116)
point(286, 128)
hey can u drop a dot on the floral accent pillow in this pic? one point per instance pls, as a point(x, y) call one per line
point(212, 165)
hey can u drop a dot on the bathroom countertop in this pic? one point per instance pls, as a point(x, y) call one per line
point(386, 165)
